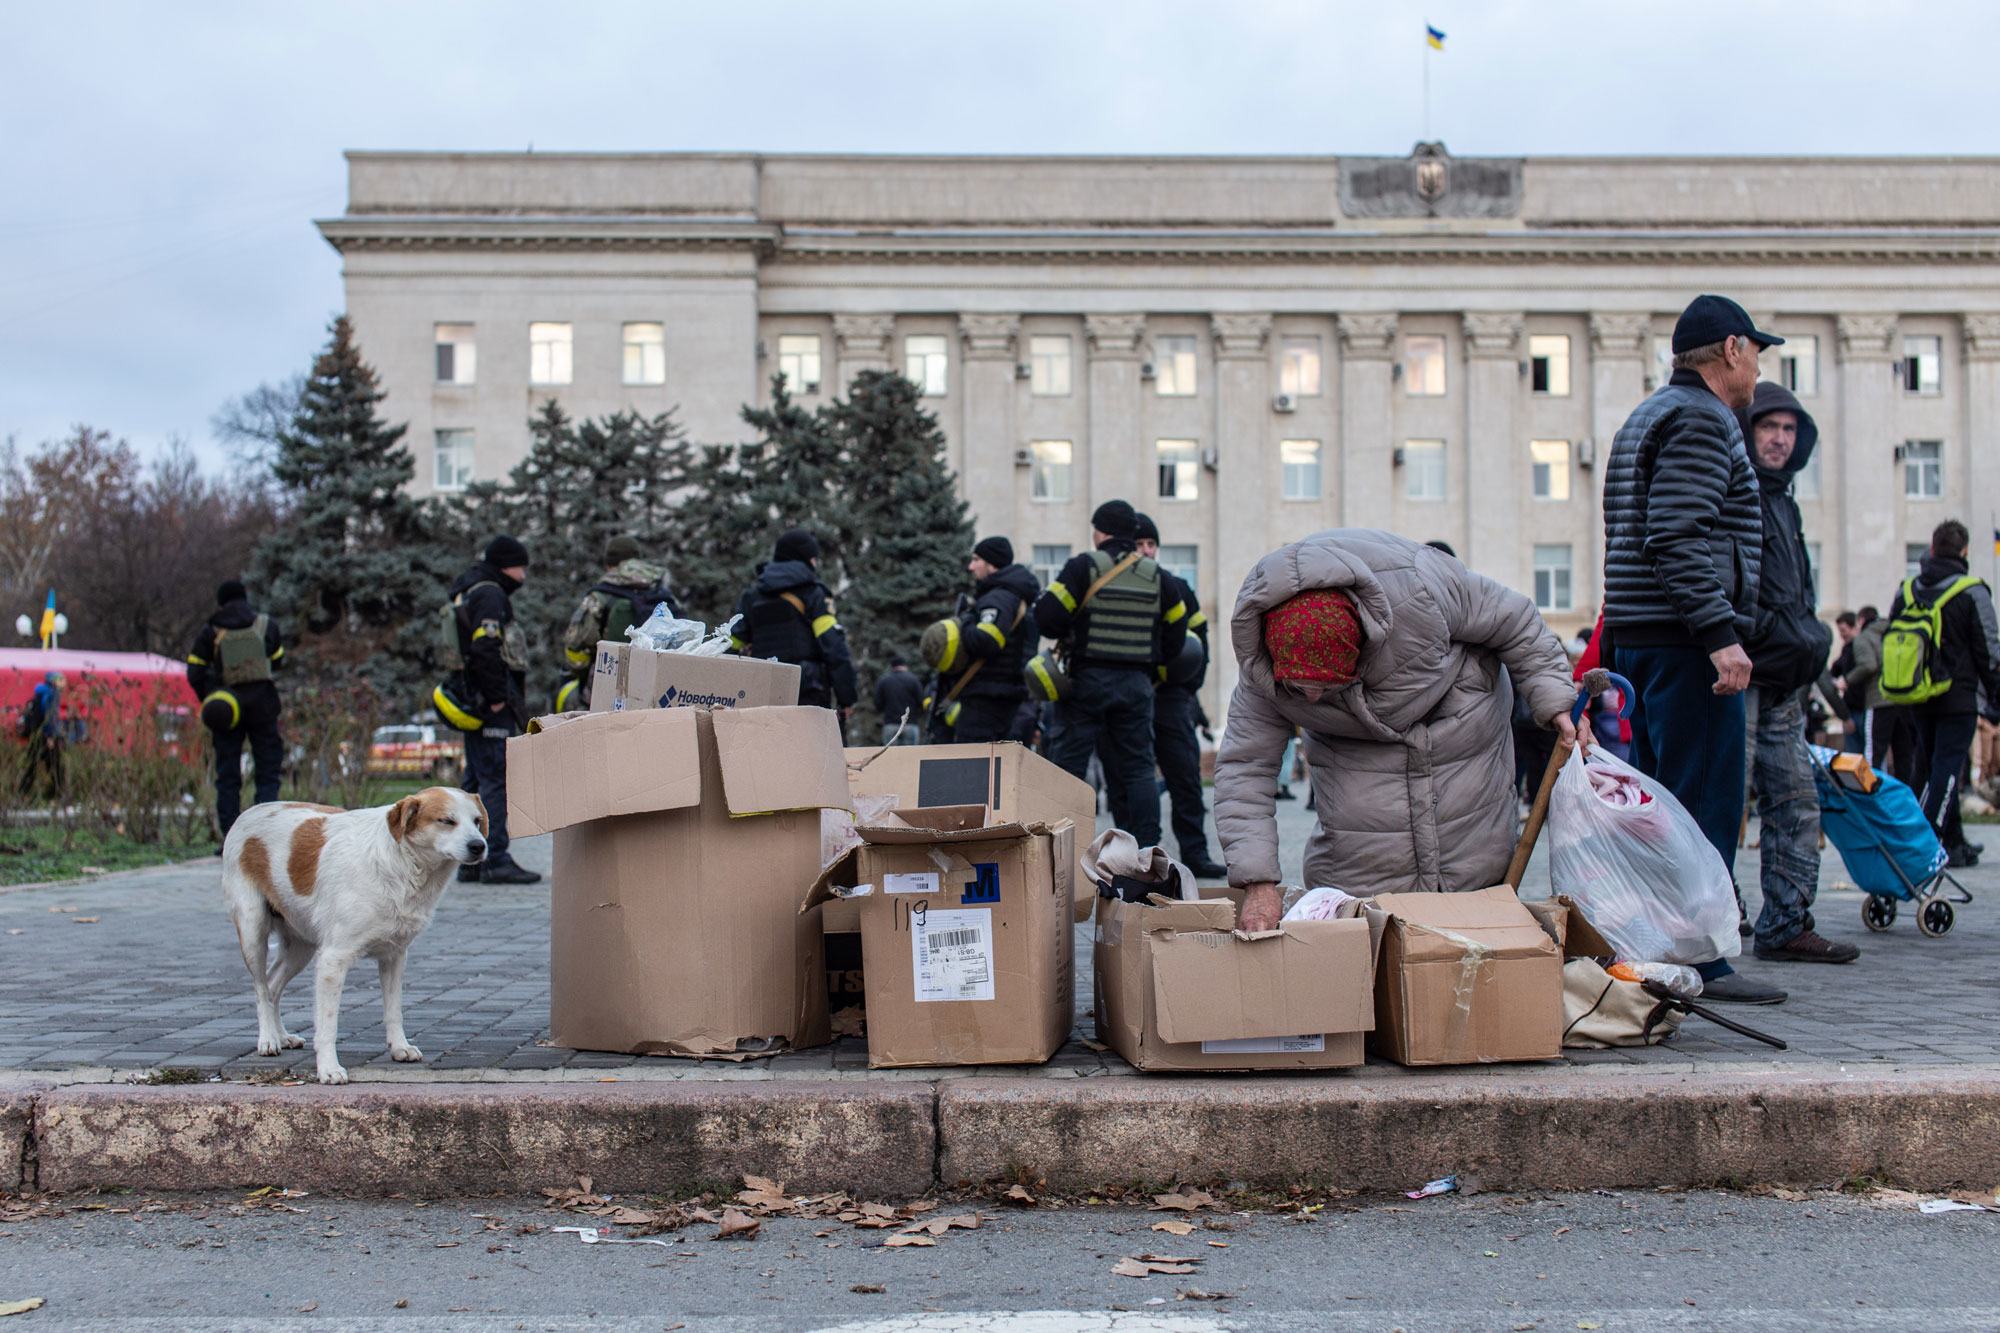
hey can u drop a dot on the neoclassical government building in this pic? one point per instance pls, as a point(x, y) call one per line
point(1250, 348)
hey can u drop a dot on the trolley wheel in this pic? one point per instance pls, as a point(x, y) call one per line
point(1877, 912)
point(1934, 916)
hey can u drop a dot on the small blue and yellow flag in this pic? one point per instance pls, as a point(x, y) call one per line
point(1434, 36)
point(48, 625)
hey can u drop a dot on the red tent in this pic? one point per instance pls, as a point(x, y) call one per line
point(121, 700)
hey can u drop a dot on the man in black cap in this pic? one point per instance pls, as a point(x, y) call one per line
point(492, 687)
point(1683, 543)
point(787, 616)
point(230, 667)
point(979, 654)
point(1177, 714)
point(1117, 622)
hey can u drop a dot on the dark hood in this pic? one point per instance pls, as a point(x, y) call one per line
point(784, 575)
point(238, 614)
point(481, 572)
point(1772, 397)
point(1938, 570)
point(1017, 579)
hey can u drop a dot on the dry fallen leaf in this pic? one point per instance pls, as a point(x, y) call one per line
point(1183, 1201)
point(1197, 1294)
point(763, 1185)
point(309, 1307)
point(1147, 1265)
point(1219, 1244)
point(1174, 1228)
point(737, 1224)
point(867, 1289)
point(1019, 1196)
point(85, 920)
point(906, 1239)
point(402, 1302)
point(20, 1307)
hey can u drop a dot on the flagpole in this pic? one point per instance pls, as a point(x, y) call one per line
point(1427, 82)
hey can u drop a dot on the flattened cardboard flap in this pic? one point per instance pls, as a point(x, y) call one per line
point(1213, 986)
point(942, 824)
point(779, 758)
point(835, 875)
point(1433, 924)
point(595, 765)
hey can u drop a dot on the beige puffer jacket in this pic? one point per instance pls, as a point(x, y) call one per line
point(1412, 765)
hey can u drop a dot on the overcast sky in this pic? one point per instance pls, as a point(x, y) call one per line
point(160, 164)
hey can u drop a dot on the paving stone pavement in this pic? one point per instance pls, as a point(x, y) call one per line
point(156, 982)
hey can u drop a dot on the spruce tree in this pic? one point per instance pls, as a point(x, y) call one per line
point(354, 565)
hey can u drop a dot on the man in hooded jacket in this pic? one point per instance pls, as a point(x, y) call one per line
point(997, 631)
point(1788, 646)
point(787, 616)
point(1388, 654)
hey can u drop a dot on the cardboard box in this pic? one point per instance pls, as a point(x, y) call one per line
point(965, 936)
point(1465, 978)
point(646, 679)
point(1012, 782)
point(683, 840)
point(1177, 988)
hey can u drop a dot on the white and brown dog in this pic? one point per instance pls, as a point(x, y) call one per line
point(341, 884)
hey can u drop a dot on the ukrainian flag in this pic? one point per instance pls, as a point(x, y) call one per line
point(48, 625)
point(1434, 37)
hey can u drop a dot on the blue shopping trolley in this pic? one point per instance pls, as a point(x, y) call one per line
point(1889, 847)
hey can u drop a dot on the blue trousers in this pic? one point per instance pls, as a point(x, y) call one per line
point(1692, 741)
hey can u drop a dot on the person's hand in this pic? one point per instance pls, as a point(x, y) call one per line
point(1262, 907)
point(847, 712)
point(1207, 734)
point(1567, 730)
point(1732, 669)
point(494, 708)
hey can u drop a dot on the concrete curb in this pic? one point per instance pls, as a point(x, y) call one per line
point(1521, 1130)
point(1513, 1129)
point(445, 1140)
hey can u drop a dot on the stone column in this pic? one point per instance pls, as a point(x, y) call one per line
point(1246, 470)
point(988, 437)
point(1619, 346)
point(1118, 460)
point(1982, 437)
point(1490, 494)
point(860, 342)
point(1871, 485)
point(1367, 420)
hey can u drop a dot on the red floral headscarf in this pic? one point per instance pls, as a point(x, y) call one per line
point(1316, 636)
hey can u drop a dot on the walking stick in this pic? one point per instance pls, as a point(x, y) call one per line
point(1595, 682)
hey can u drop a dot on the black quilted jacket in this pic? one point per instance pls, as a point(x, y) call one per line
point(1683, 537)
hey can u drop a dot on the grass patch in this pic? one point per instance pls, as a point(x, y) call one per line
point(31, 853)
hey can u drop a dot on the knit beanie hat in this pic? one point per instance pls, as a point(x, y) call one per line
point(505, 552)
point(1144, 529)
point(620, 549)
point(995, 551)
point(1116, 518)
point(1316, 636)
point(796, 544)
point(232, 590)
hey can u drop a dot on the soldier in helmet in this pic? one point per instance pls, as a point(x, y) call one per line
point(230, 667)
point(631, 589)
point(1176, 715)
point(979, 654)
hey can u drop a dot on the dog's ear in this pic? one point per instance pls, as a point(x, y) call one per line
point(481, 805)
point(403, 817)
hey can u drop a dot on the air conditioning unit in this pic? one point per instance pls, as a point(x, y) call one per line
point(810, 386)
point(1902, 452)
point(1398, 456)
point(1147, 371)
point(1024, 458)
point(1586, 453)
point(1023, 371)
point(1210, 459)
point(1284, 402)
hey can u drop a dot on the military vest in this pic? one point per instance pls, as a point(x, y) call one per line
point(1122, 623)
point(240, 654)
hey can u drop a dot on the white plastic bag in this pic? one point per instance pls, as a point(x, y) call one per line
point(1647, 879)
point(664, 632)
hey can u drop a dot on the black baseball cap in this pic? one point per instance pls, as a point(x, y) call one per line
point(1710, 319)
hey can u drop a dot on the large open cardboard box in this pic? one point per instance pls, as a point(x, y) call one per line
point(1465, 978)
point(683, 840)
point(965, 935)
point(1177, 988)
point(626, 677)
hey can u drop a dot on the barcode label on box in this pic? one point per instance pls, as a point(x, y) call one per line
point(923, 881)
point(1266, 1046)
point(952, 954)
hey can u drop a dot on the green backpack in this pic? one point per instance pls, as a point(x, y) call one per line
point(1910, 645)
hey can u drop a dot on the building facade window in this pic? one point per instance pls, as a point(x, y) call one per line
point(645, 354)
point(1423, 365)
point(1298, 367)
point(1548, 465)
point(1552, 578)
point(1183, 562)
point(1174, 366)
point(1923, 356)
point(1798, 364)
point(1048, 365)
point(1050, 479)
point(1423, 469)
point(1300, 460)
point(1923, 470)
point(453, 453)
point(1048, 562)
point(926, 363)
point(549, 354)
point(1548, 364)
point(457, 361)
point(798, 361)
point(1180, 469)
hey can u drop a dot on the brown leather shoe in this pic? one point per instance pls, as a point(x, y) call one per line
point(1809, 947)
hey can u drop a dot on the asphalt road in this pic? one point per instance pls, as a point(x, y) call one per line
point(1701, 1260)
